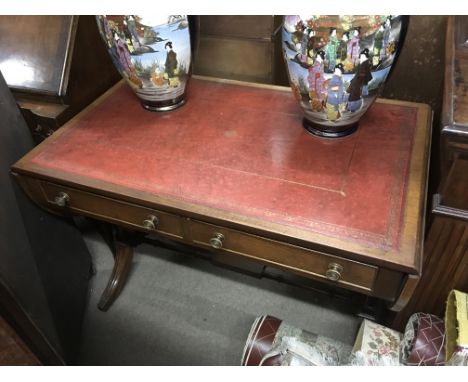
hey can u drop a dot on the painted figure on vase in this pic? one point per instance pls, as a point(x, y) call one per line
point(127, 37)
point(312, 44)
point(358, 85)
point(125, 60)
point(310, 58)
point(379, 51)
point(298, 33)
point(331, 49)
point(129, 21)
point(106, 31)
point(123, 52)
point(299, 57)
point(342, 48)
point(336, 95)
point(304, 44)
point(354, 47)
point(157, 77)
point(301, 47)
point(114, 53)
point(171, 65)
point(316, 81)
point(386, 36)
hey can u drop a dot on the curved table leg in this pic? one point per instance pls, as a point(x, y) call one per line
point(122, 265)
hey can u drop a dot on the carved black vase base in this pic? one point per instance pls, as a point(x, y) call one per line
point(160, 106)
point(329, 132)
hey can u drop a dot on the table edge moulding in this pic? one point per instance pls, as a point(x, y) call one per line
point(386, 271)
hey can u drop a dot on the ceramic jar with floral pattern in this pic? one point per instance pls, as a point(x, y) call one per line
point(338, 64)
point(376, 345)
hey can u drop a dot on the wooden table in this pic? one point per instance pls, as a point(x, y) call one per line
point(234, 171)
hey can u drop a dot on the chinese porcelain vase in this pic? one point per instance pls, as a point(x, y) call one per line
point(153, 54)
point(337, 66)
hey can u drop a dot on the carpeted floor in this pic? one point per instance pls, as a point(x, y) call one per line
point(177, 309)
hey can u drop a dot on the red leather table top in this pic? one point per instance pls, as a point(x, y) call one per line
point(243, 150)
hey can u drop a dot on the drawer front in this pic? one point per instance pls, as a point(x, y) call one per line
point(118, 212)
point(351, 274)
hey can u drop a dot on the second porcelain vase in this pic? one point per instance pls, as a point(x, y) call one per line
point(153, 53)
point(337, 66)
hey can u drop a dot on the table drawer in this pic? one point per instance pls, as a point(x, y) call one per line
point(108, 209)
point(347, 273)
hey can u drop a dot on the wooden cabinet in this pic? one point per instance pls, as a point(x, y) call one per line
point(55, 66)
point(454, 133)
point(445, 265)
point(243, 48)
point(43, 282)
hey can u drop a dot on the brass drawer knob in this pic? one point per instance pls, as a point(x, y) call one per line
point(151, 222)
point(217, 240)
point(62, 199)
point(333, 272)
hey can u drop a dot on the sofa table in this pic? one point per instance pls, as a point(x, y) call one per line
point(234, 172)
